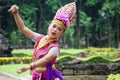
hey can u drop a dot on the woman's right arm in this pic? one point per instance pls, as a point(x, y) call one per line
point(20, 24)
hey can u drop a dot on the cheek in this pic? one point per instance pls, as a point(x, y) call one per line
point(49, 29)
point(60, 34)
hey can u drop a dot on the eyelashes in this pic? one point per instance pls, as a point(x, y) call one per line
point(58, 28)
point(54, 25)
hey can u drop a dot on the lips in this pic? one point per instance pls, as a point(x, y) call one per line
point(53, 33)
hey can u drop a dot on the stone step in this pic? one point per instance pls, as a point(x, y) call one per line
point(77, 77)
point(5, 76)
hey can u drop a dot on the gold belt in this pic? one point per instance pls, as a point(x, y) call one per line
point(43, 68)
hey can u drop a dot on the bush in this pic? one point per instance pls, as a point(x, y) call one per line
point(66, 58)
point(15, 60)
point(99, 59)
point(114, 77)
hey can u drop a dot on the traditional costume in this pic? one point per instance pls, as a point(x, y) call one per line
point(64, 16)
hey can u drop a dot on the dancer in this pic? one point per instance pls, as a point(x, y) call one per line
point(46, 48)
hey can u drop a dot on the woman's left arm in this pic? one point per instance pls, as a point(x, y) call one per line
point(46, 59)
point(53, 52)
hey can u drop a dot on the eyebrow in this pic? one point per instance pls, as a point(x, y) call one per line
point(56, 24)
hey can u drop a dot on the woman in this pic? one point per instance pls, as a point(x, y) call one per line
point(46, 48)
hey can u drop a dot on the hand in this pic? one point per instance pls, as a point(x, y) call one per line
point(14, 9)
point(57, 79)
point(23, 69)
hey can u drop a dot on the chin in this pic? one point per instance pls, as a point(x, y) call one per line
point(52, 36)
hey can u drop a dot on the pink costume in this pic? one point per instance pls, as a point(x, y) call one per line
point(40, 73)
point(64, 17)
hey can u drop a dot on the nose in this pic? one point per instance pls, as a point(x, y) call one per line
point(55, 29)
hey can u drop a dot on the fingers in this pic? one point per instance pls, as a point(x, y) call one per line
point(19, 71)
point(23, 69)
point(56, 78)
point(13, 9)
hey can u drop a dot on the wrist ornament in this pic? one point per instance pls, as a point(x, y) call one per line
point(32, 66)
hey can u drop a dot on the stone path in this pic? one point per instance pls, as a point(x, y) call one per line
point(5, 76)
point(27, 77)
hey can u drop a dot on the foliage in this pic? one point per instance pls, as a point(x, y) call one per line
point(15, 60)
point(97, 21)
point(96, 59)
point(86, 22)
point(68, 35)
point(92, 56)
point(66, 58)
point(114, 77)
point(92, 2)
point(22, 52)
point(109, 53)
point(13, 36)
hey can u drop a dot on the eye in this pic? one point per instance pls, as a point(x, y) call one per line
point(54, 25)
point(59, 28)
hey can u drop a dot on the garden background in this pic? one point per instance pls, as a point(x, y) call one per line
point(95, 36)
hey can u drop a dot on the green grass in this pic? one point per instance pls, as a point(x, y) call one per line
point(12, 68)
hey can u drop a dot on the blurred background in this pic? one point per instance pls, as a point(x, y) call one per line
point(97, 23)
point(94, 38)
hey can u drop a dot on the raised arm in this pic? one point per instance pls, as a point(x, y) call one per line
point(20, 24)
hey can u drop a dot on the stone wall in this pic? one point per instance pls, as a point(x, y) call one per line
point(86, 77)
point(81, 71)
point(89, 68)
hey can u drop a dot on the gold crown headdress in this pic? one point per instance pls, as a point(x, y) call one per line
point(66, 15)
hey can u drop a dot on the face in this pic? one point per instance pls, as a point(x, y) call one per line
point(55, 31)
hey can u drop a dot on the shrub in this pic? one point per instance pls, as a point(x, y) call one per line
point(99, 59)
point(114, 77)
point(66, 58)
point(96, 59)
point(15, 60)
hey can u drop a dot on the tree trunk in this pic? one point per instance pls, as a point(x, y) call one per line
point(109, 36)
point(100, 34)
point(109, 32)
point(78, 23)
point(118, 33)
point(37, 16)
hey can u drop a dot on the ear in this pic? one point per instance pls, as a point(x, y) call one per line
point(61, 34)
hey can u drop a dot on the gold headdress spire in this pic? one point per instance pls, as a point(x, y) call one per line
point(66, 15)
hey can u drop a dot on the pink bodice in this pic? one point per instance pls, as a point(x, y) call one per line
point(42, 52)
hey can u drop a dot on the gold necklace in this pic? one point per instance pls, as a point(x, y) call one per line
point(44, 42)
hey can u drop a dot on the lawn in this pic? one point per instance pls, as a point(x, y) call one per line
point(12, 68)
